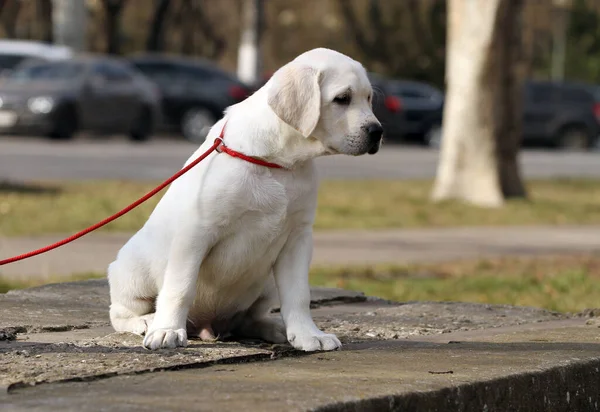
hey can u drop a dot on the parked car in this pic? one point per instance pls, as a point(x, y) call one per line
point(409, 110)
point(387, 108)
point(561, 114)
point(94, 93)
point(195, 92)
point(15, 52)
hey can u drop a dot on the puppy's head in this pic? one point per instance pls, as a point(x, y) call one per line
point(327, 96)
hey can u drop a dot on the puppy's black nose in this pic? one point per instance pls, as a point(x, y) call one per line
point(375, 132)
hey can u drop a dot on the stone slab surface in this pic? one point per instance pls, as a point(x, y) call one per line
point(378, 375)
point(56, 307)
point(58, 352)
point(94, 252)
point(81, 305)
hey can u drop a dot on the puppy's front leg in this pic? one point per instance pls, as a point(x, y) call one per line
point(291, 276)
point(178, 290)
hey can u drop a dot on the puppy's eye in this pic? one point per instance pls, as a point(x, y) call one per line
point(343, 99)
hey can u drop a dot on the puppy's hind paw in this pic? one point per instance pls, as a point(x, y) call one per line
point(138, 324)
point(142, 324)
point(274, 332)
point(165, 338)
point(270, 330)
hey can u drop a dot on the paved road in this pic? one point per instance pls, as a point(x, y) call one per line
point(94, 252)
point(35, 159)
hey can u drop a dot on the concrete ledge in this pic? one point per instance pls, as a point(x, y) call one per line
point(563, 388)
point(412, 356)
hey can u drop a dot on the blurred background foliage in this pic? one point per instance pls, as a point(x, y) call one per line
point(403, 39)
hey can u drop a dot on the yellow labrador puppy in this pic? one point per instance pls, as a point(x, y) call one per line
point(231, 238)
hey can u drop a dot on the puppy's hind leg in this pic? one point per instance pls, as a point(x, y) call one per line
point(258, 322)
point(127, 318)
point(129, 311)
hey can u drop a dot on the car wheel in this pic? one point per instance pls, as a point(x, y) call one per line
point(433, 136)
point(574, 139)
point(65, 124)
point(196, 123)
point(142, 128)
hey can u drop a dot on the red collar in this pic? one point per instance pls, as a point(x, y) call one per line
point(222, 148)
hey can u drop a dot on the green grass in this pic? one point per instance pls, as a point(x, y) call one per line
point(69, 207)
point(564, 284)
point(382, 204)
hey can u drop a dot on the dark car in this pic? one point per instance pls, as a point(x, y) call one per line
point(93, 93)
point(409, 110)
point(387, 108)
point(564, 115)
point(15, 52)
point(561, 114)
point(194, 92)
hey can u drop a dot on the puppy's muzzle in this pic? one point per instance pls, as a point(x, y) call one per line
point(374, 134)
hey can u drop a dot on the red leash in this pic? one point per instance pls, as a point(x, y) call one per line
point(219, 146)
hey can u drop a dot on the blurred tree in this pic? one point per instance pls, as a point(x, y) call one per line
point(213, 42)
point(250, 56)
point(69, 19)
point(560, 10)
point(408, 42)
point(112, 18)
point(294, 26)
point(195, 27)
point(399, 38)
point(9, 10)
point(482, 115)
point(44, 17)
point(187, 27)
point(583, 43)
point(154, 42)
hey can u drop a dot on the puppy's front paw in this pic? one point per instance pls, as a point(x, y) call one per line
point(165, 338)
point(314, 341)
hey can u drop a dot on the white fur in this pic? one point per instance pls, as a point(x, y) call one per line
point(230, 238)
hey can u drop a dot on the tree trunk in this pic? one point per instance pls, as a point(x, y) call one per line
point(154, 42)
point(10, 13)
point(213, 45)
point(512, 57)
point(249, 52)
point(112, 19)
point(112, 32)
point(69, 24)
point(44, 16)
point(482, 115)
point(187, 28)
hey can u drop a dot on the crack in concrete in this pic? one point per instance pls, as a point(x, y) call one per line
point(193, 365)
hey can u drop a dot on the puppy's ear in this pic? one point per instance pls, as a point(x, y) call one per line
point(295, 97)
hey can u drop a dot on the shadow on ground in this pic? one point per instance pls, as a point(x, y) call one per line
point(27, 188)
